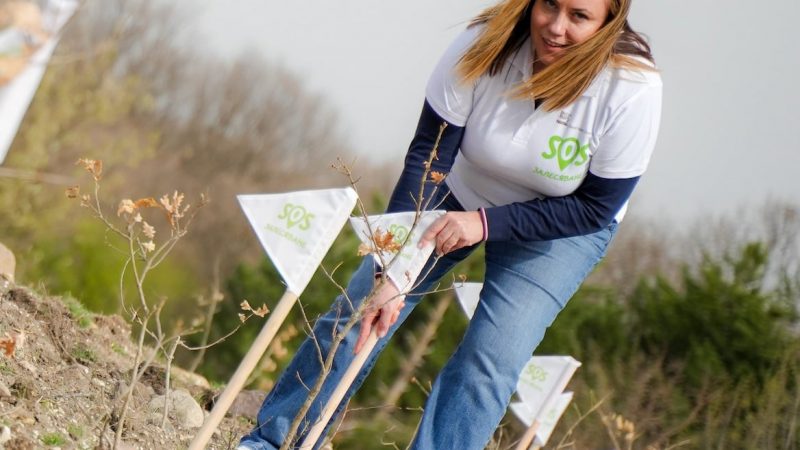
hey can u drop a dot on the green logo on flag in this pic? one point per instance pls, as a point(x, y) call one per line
point(568, 151)
point(399, 232)
point(534, 374)
point(296, 215)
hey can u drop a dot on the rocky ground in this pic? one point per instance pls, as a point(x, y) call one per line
point(63, 371)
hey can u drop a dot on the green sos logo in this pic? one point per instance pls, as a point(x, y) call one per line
point(296, 215)
point(399, 232)
point(568, 151)
point(535, 374)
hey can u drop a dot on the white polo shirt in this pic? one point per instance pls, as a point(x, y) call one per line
point(512, 152)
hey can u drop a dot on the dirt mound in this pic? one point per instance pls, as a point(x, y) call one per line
point(62, 371)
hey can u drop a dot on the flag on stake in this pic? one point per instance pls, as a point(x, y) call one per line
point(547, 421)
point(403, 271)
point(468, 295)
point(408, 265)
point(26, 45)
point(543, 379)
point(541, 383)
point(297, 228)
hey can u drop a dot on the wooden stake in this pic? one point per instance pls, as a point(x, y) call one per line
point(420, 348)
point(338, 394)
point(246, 367)
point(527, 438)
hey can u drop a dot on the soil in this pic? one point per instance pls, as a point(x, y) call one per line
point(61, 387)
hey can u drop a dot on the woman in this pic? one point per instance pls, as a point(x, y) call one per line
point(552, 109)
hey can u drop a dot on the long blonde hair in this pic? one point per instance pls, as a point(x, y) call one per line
point(507, 25)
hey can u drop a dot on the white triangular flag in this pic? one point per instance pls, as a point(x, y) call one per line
point(468, 295)
point(543, 379)
point(408, 265)
point(16, 95)
point(547, 421)
point(297, 228)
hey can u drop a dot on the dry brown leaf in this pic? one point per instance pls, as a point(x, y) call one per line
point(438, 177)
point(148, 202)
point(126, 206)
point(242, 317)
point(73, 191)
point(280, 351)
point(148, 230)
point(93, 166)
point(173, 207)
point(149, 246)
point(262, 311)
point(364, 249)
point(245, 306)
point(385, 242)
point(9, 345)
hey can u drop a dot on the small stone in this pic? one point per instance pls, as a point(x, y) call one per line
point(98, 382)
point(5, 435)
point(140, 391)
point(4, 392)
point(187, 410)
point(247, 404)
point(7, 263)
point(183, 407)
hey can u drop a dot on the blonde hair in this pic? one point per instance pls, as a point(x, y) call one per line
point(559, 84)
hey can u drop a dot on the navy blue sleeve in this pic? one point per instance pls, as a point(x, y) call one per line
point(587, 210)
point(407, 188)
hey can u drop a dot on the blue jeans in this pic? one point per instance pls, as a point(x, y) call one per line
point(526, 285)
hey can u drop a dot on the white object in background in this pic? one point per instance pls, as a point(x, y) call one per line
point(543, 379)
point(547, 421)
point(16, 96)
point(468, 295)
point(297, 228)
point(409, 263)
point(541, 383)
point(403, 271)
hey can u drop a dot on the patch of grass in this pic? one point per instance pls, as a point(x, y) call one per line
point(83, 354)
point(246, 421)
point(76, 431)
point(118, 349)
point(53, 439)
point(46, 404)
point(5, 369)
point(82, 316)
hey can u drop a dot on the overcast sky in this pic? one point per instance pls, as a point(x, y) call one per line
point(731, 72)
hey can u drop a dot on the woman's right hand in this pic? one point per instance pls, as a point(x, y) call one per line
point(382, 313)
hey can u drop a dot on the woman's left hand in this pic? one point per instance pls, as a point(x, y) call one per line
point(453, 231)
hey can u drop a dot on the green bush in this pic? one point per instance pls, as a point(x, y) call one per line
point(88, 266)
